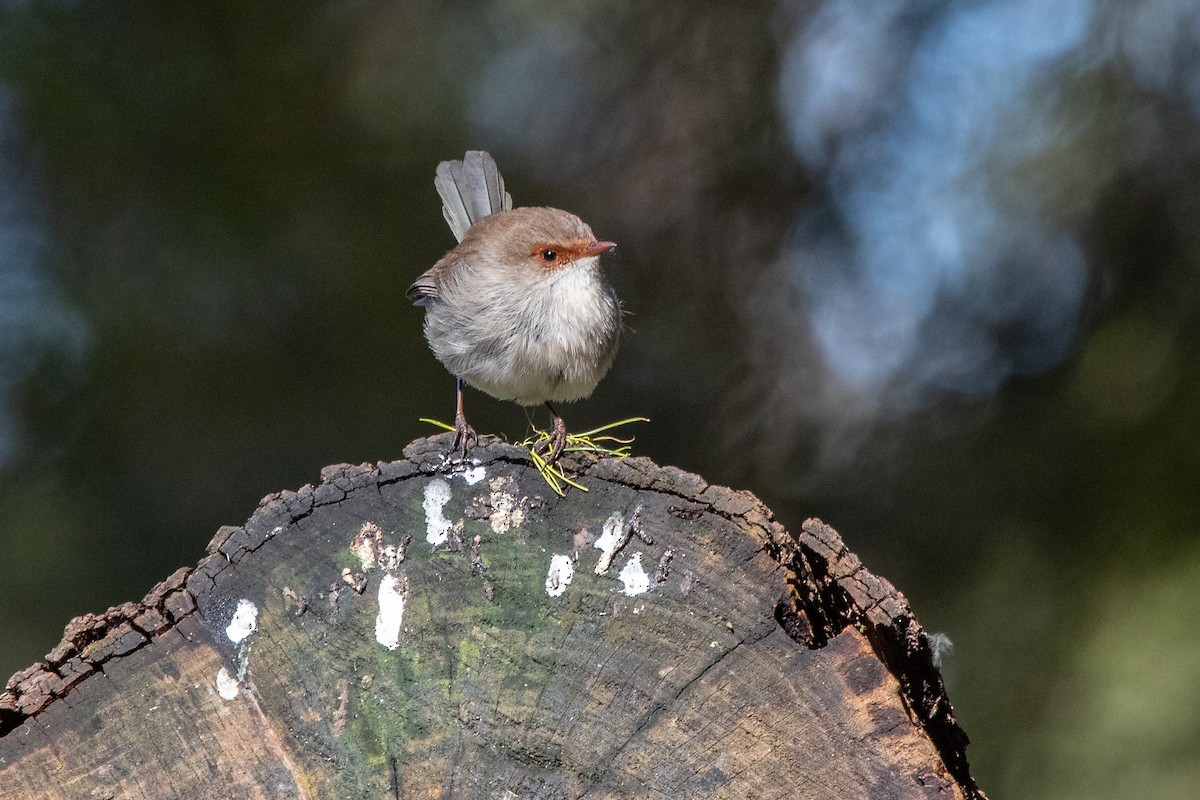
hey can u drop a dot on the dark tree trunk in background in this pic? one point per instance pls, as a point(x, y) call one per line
point(653, 637)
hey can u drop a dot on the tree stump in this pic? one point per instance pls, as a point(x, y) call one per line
point(426, 628)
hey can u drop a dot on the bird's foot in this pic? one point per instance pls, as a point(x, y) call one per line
point(551, 445)
point(596, 441)
point(464, 436)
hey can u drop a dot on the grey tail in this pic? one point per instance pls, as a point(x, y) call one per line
point(470, 190)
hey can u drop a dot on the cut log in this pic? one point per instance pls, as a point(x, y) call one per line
point(426, 628)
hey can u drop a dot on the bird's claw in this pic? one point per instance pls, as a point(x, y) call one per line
point(558, 439)
point(464, 436)
point(554, 444)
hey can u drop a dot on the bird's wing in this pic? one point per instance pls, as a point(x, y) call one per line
point(424, 289)
point(470, 190)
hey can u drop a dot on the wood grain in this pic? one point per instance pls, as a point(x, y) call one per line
point(328, 649)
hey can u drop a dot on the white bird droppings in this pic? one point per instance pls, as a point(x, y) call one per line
point(508, 512)
point(437, 527)
point(562, 569)
point(227, 685)
point(608, 542)
point(634, 577)
point(391, 612)
point(244, 622)
point(474, 475)
point(367, 544)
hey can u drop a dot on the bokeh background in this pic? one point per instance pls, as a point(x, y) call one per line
point(927, 270)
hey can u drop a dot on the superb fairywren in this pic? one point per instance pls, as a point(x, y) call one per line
point(520, 309)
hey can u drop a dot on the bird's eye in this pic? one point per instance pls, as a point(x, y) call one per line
point(549, 256)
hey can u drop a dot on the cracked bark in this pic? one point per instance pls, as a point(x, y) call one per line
point(718, 655)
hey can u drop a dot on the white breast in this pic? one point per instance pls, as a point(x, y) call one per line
point(553, 339)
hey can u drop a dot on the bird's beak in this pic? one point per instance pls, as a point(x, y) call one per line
point(596, 248)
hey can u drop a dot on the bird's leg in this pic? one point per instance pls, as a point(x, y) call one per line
point(558, 436)
point(464, 434)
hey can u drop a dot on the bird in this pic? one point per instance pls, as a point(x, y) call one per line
point(520, 308)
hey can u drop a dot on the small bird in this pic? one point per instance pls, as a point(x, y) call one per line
point(520, 309)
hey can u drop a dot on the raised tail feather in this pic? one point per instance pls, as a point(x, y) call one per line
point(470, 190)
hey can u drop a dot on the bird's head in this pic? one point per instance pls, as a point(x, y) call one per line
point(536, 241)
